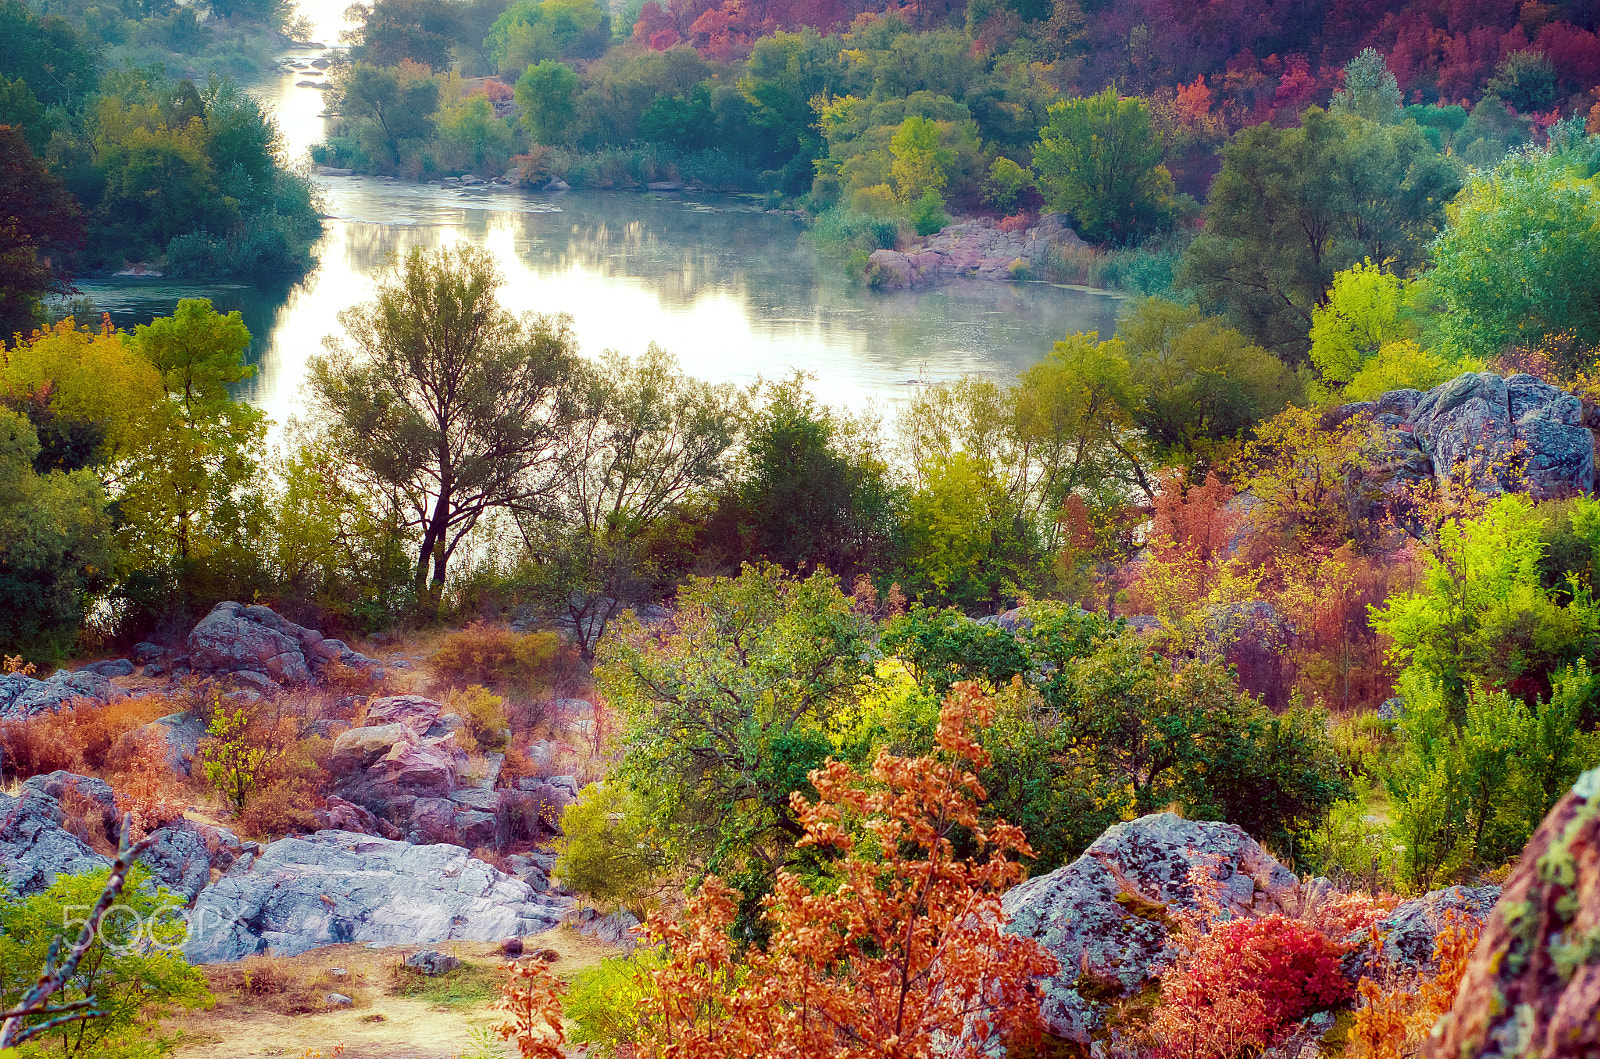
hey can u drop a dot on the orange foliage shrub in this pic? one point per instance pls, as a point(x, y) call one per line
point(1241, 985)
point(907, 950)
point(1395, 1015)
point(493, 654)
point(148, 791)
point(82, 737)
point(531, 998)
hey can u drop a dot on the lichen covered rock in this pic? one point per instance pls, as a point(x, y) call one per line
point(1532, 989)
point(1106, 917)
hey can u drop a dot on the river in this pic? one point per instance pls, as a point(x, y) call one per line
point(730, 290)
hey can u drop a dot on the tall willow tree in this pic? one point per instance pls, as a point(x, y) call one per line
point(445, 402)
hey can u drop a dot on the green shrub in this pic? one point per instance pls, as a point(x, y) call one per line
point(134, 970)
point(607, 854)
point(605, 1002)
point(927, 213)
point(484, 714)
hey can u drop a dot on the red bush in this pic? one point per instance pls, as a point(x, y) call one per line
point(1241, 985)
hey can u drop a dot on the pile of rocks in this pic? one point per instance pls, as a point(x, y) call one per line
point(974, 250)
point(24, 696)
point(256, 644)
point(402, 774)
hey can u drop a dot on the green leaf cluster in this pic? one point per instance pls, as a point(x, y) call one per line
point(135, 970)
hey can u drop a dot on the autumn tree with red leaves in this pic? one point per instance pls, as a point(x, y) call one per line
point(901, 951)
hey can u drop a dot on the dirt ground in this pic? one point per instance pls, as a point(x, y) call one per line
point(276, 1006)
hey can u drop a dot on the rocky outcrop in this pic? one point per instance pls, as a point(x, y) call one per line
point(1106, 916)
point(1507, 434)
point(617, 928)
point(42, 835)
point(24, 696)
point(177, 735)
point(1532, 988)
point(971, 249)
point(235, 638)
point(35, 847)
point(337, 886)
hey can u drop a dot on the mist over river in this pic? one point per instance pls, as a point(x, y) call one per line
point(731, 290)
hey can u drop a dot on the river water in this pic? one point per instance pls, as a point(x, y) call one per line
point(732, 291)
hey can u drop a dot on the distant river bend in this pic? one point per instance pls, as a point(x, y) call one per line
point(731, 290)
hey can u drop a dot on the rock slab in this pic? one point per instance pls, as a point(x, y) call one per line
point(235, 638)
point(338, 886)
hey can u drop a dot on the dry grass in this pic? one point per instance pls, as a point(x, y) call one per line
point(85, 737)
point(274, 1006)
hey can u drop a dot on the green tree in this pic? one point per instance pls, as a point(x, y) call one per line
point(1362, 314)
point(1526, 79)
point(1157, 732)
point(1515, 263)
point(336, 546)
point(1292, 207)
point(1481, 613)
point(1488, 133)
point(920, 160)
point(395, 111)
point(813, 489)
point(1099, 159)
point(646, 441)
point(724, 715)
point(1201, 383)
point(55, 546)
point(133, 970)
point(447, 405)
point(47, 53)
point(966, 541)
point(684, 121)
point(1370, 90)
point(534, 31)
point(1471, 782)
point(548, 94)
point(606, 852)
point(183, 491)
point(392, 31)
point(1006, 184)
point(234, 764)
point(476, 138)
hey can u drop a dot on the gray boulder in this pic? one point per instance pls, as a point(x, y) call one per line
point(145, 653)
point(1517, 433)
point(35, 847)
point(240, 639)
point(23, 696)
point(179, 736)
point(111, 667)
point(39, 842)
point(1409, 931)
point(235, 637)
point(1106, 917)
point(432, 962)
point(614, 929)
point(336, 886)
